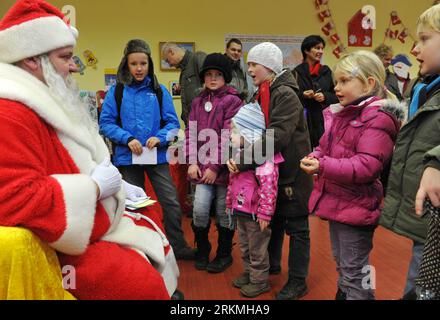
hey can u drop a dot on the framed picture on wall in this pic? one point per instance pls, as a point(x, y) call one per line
point(164, 66)
point(175, 89)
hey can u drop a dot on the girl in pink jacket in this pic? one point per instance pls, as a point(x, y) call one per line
point(358, 142)
point(252, 197)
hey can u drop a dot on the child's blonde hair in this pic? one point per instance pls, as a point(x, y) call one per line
point(430, 19)
point(363, 65)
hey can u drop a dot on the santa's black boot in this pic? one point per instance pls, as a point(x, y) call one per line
point(223, 259)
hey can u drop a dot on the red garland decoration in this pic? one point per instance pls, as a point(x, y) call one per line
point(400, 34)
point(329, 28)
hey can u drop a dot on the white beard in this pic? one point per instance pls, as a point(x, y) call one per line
point(66, 94)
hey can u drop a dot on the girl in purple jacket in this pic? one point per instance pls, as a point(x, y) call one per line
point(358, 142)
point(206, 138)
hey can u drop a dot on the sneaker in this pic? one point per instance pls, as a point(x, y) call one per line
point(293, 290)
point(186, 253)
point(243, 280)
point(253, 290)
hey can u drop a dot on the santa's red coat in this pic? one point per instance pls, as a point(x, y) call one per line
point(45, 186)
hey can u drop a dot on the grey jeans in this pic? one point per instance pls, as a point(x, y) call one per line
point(351, 248)
point(253, 245)
point(163, 185)
point(204, 196)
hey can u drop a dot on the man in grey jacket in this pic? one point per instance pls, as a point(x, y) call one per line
point(190, 65)
point(234, 53)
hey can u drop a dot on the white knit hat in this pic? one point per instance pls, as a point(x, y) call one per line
point(31, 28)
point(268, 55)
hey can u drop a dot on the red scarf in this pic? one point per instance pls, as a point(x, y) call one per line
point(314, 70)
point(263, 97)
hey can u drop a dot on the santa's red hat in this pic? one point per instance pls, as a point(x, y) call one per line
point(31, 28)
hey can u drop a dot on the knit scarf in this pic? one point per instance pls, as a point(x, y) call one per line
point(314, 70)
point(263, 97)
point(420, 95)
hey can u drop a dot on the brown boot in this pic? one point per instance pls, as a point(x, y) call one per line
point(241, 281)
point(253, 290)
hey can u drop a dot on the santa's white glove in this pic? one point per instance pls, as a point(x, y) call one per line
point(108, 179)
point(133, 193)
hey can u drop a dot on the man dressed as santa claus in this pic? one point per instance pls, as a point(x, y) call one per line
point(56, 179)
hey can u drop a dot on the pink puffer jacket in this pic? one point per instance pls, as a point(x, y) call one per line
point(255, 192)
point(358, 142)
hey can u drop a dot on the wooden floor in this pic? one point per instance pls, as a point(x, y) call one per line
point(390, 258)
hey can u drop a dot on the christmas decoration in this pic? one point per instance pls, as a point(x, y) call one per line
point(404, 34)
point(337, 52)
point(391, 34)
point(401, 34)
point(401, 66)
point(319, 3)
point(328, 28)
point(90, 59)
point(395, 20)
point(358, 36)
point(335, 38)
point(324, 14)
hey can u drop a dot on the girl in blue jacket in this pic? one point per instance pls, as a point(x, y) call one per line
point(145, 118)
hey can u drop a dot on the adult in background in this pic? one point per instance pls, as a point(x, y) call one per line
point(190, 65)
point(234, 53)
point(385, 54)
point(316, 87)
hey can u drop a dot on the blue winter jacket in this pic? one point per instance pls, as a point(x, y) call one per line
point(140, 117)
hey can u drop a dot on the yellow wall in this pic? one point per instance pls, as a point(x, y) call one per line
point(106, 25)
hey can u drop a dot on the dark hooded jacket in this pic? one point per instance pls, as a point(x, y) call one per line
point(291, 138)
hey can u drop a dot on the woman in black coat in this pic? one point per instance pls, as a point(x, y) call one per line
point(316, 87)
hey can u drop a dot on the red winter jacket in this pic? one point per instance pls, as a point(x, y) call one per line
point(358, 142)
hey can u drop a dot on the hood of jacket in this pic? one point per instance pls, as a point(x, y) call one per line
point(285, 78)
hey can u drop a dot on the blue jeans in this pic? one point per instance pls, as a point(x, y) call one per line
point(203, 198)
point(414, 266)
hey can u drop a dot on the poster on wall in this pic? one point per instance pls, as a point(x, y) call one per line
point(109, 78)
point(175, 89)
point(289, 45)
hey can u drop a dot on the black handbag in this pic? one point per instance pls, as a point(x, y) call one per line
point(428, 283)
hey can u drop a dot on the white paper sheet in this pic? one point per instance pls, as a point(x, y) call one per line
point(147, 157)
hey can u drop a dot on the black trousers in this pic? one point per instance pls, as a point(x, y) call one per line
point(166, 192)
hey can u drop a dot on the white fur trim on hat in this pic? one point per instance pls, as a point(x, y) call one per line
point(268, 55)
point(35, 37)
